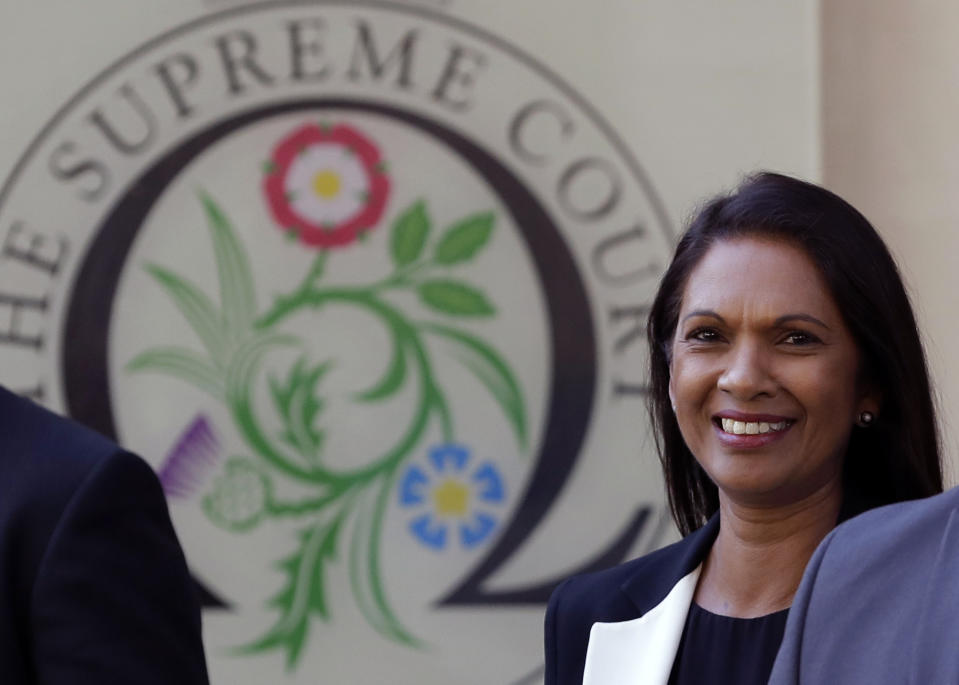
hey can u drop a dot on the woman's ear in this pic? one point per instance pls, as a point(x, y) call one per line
point(672, 398)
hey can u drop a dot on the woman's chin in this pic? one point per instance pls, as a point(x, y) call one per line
point(755, 479)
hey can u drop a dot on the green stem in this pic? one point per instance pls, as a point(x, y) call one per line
point(238, 393)
point(316, 270)
point(384, 470)
point(245, 418)
point(431, 398)
point(279, 508)
point(400, 277)
point(436, 397)
point(376, 584)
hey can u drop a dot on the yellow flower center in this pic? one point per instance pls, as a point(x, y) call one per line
point(451, 498)
point(326, 184)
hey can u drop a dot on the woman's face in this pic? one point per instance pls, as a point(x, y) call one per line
point(764, 373)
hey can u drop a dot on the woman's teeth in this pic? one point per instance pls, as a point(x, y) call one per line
point(751, 427)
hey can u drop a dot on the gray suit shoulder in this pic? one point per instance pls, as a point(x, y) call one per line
point(876, 604)
point(888, 527)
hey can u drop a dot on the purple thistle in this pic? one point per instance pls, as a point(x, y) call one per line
point(193, 456)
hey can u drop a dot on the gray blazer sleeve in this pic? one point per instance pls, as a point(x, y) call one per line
point(879, 601)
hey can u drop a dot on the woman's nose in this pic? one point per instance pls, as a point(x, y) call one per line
point(747, 374)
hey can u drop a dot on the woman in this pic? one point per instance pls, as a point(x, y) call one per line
point(789, 391)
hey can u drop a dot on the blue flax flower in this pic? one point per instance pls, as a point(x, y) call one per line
point(452, 497)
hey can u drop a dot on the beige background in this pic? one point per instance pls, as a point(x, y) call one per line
point(701, 92)
point(890, 112)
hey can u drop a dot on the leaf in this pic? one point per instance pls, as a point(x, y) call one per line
point(392, 380)
point(303, 595)
point(283, 394)
point(239, 397)
point(233, 268)
point(409, 235)
point(463, 240)
point(492, 371)
point(196, 307)
point(182, 363)
point(297, 403)
point(455, 298)
point(366, 575)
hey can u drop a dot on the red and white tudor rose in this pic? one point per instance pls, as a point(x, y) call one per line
point(328, 185)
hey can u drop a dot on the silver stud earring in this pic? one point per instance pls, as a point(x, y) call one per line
point(866, 419)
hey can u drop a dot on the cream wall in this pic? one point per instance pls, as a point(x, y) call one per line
point(702, 93)
point(889, 120)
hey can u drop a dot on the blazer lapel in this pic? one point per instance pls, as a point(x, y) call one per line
point(641, 651)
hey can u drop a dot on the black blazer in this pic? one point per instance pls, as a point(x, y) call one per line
point(94, 589)
point(639, 611)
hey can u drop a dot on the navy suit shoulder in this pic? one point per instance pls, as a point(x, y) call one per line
point(93, 584)
point(29, 430)
point(620, 593)
point(43, 460)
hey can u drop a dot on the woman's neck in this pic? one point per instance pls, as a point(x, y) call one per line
point(759, 555)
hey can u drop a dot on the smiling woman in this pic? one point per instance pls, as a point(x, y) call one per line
point(789, 391)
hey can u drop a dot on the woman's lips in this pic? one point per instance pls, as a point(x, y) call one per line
point(745, 431)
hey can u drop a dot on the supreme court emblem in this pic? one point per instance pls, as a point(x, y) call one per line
point(366, 285)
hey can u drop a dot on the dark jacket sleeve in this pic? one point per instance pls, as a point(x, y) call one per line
point(551, 637)
point(113, 601)
point(569, 617)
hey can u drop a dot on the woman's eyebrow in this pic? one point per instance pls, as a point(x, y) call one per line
point(705, 312)
point(785, 318)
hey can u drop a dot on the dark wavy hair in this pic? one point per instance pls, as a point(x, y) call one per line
point(897, 457)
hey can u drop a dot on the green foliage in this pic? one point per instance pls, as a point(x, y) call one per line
point(464, 240)
point(392, 380)
point(236, 340)
point(303, 595)
point(364, 564)
point(237, 292)
point(196, 308)
point(455, 298)
point(409, 235)
point(298, 405)
point(239, 496)
point(491, 370)
point(182, 363)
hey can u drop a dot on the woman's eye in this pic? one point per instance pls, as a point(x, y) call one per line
point(704, 335)
point(800, 338)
